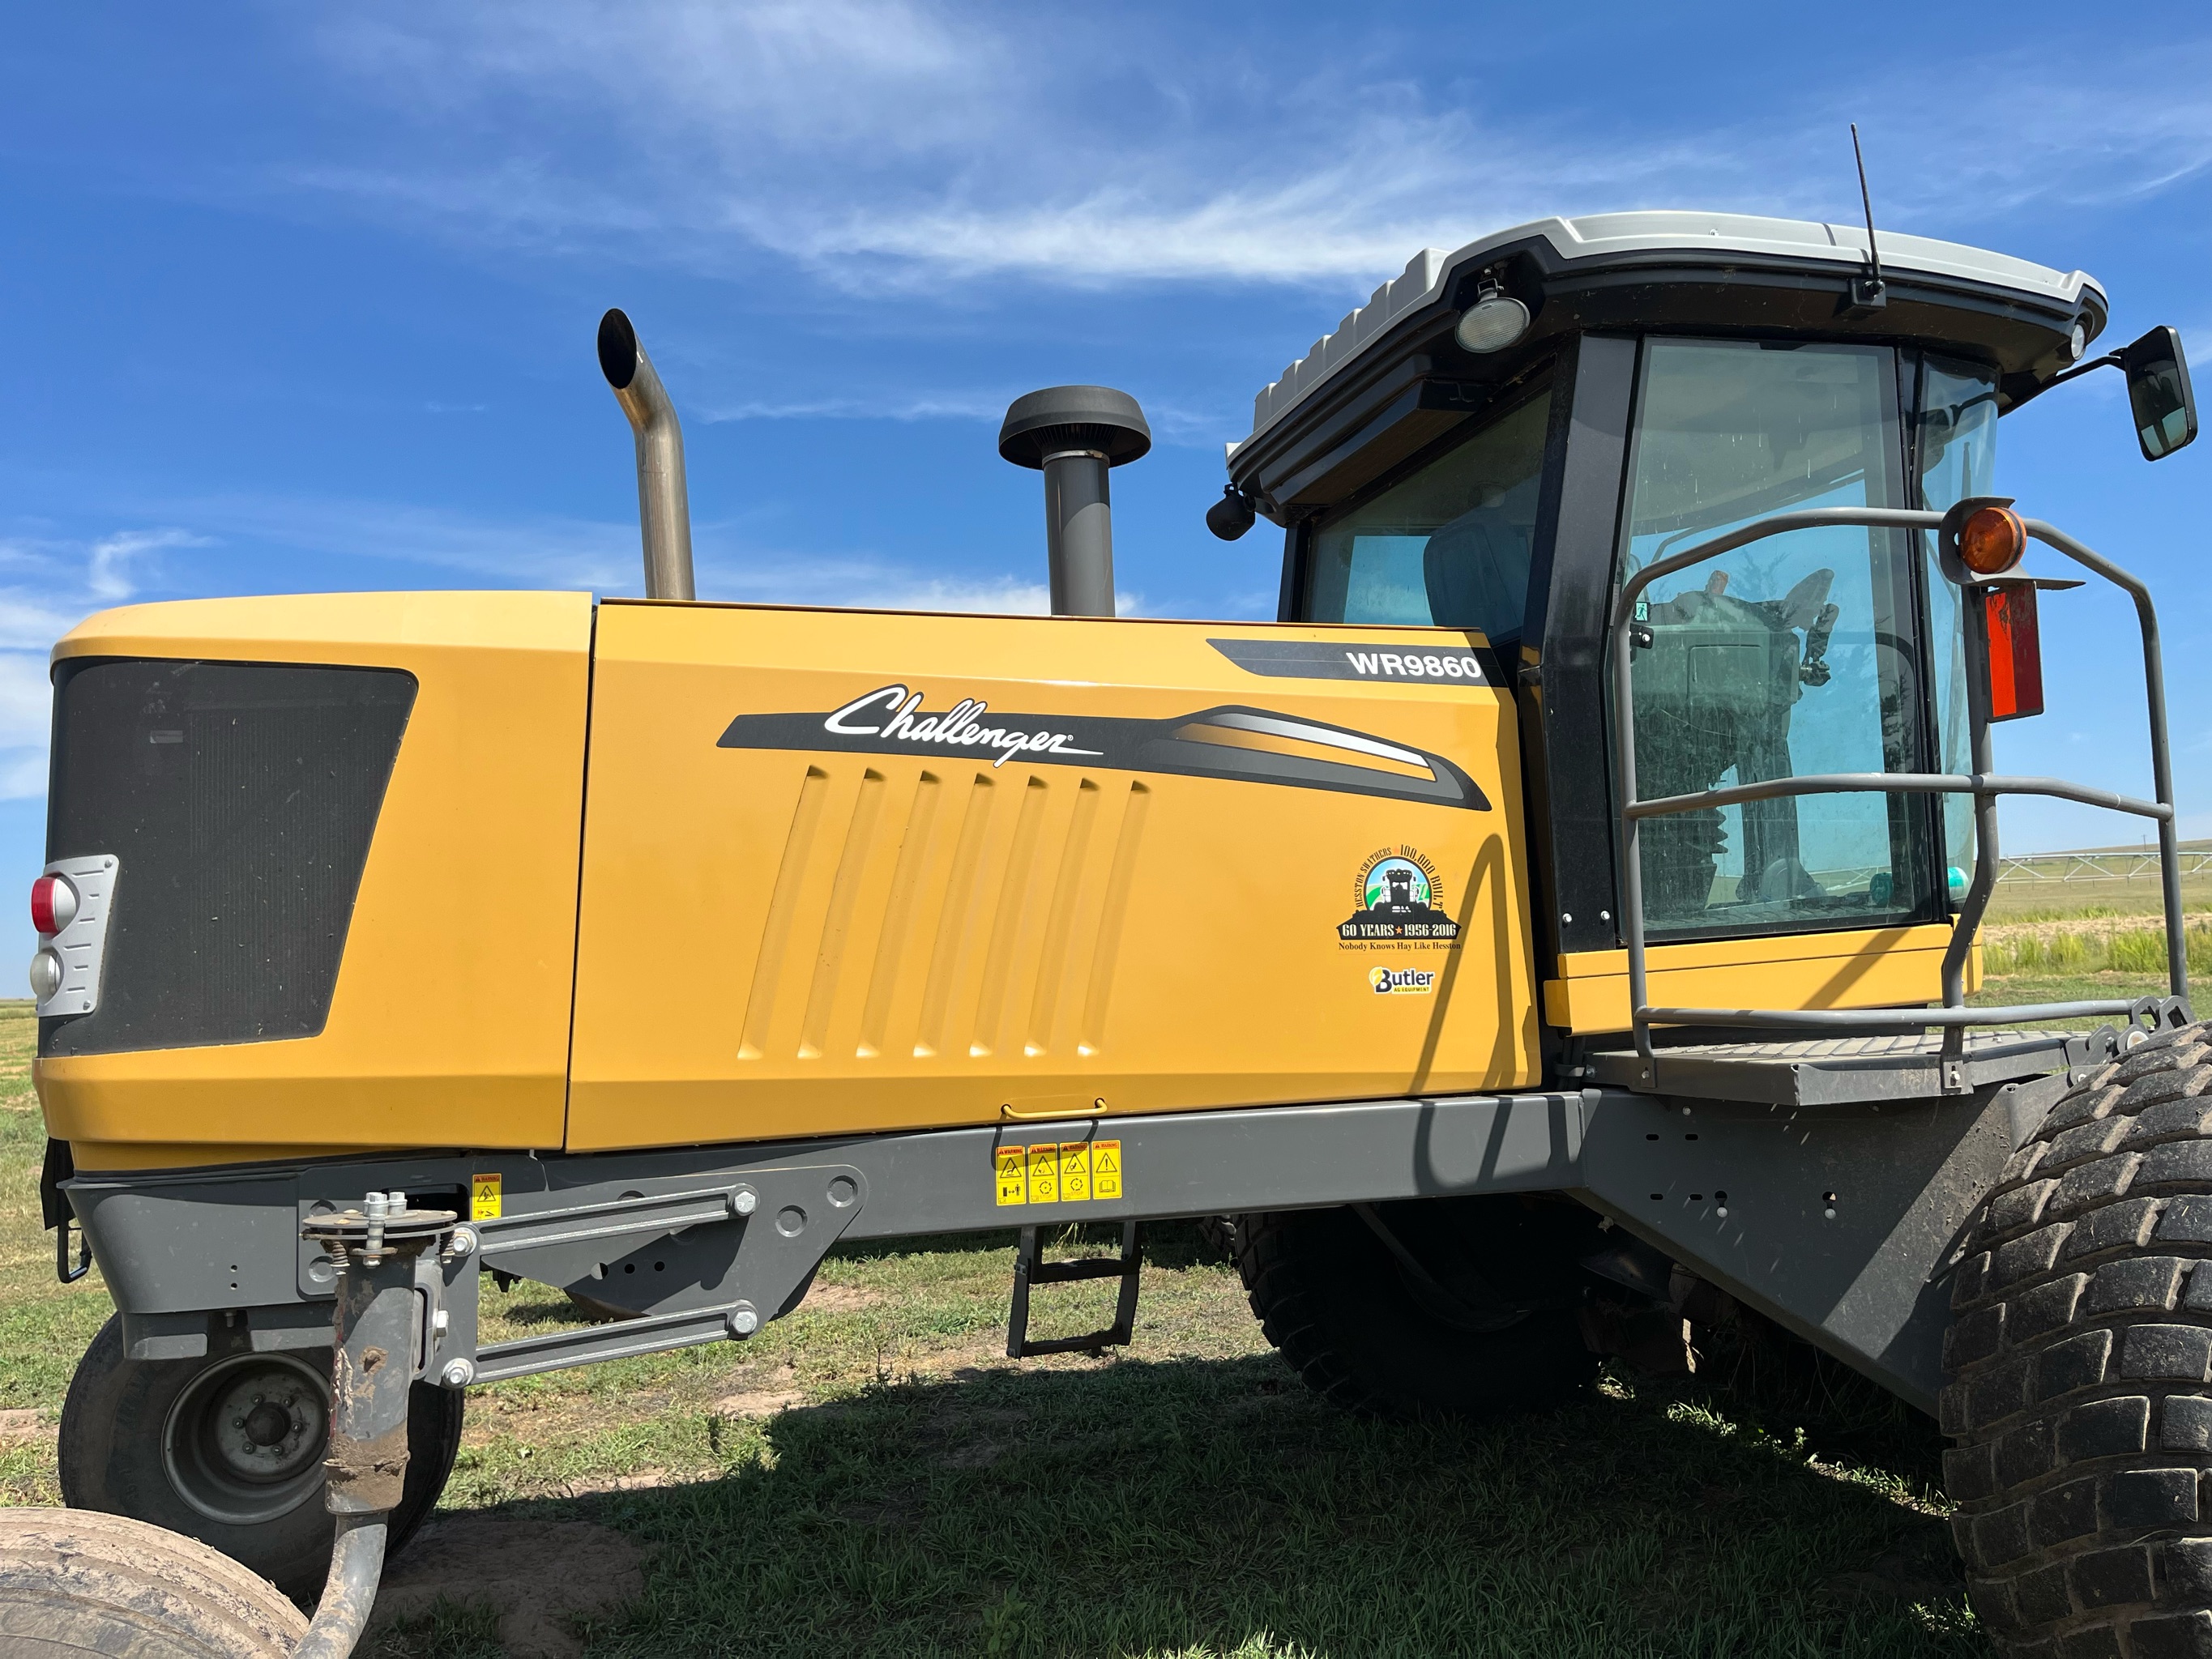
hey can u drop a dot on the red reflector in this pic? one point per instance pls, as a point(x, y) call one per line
point(42, 904)
point(2015, 651)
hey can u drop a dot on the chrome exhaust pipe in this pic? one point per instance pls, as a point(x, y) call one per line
point(664, 510)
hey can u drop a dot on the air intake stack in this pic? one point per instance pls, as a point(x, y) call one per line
point(1073, 434)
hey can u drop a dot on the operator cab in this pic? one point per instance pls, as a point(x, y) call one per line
point(1505, 433)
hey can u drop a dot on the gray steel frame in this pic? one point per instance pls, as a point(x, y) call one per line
point(1840, 1223)
point(1983, 784)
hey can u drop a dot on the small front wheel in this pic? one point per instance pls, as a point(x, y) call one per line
point(73, 1583)
point(228, 1449)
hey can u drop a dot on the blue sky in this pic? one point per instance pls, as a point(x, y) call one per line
point(303, 297)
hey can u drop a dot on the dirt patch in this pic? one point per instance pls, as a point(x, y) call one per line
point(758, 1403)
point(536, 1575)
point(839, 1299)
point(20, 1423)
point(643, 1480)
point(976, 1454)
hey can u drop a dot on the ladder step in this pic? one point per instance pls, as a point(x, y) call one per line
point(1031, 1268)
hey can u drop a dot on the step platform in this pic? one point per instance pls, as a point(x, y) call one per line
point(1815, 1071)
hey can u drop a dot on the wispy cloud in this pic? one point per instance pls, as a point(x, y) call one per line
point(110, 573)
point(957, 406)
point(889, 140)
point(55, 581)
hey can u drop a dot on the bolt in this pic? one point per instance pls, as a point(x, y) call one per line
point(440, 1321)
point(743, 1201)
point(458, 1374)
point(744, 1323)
point(463, 1244)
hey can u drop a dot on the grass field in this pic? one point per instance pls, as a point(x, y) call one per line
point(872, 1476)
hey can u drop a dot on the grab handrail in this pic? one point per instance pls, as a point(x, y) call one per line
point(1983, 783)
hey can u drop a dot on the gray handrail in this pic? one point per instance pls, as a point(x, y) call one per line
point(1983, 783)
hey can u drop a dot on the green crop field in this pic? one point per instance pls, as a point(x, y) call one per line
point(873, 1476)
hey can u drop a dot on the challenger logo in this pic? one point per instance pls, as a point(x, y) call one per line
point(1229, 742)
point(1401, 981)
point(1398, 899)
point(890, 713)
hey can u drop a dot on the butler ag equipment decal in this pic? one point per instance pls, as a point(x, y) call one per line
point(1252, 745)
point(1397, 899)
point(1401, 981)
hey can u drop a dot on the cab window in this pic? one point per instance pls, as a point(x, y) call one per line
point(1795, 654)
point(1446, 546)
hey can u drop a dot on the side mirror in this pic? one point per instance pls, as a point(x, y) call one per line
point(2158, 391)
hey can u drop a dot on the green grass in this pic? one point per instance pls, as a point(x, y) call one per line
point(872, 1476)
point(2053, 901)
point(2073, 951)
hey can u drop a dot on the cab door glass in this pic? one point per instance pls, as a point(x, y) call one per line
point(1446, 546)
point(1798, 653)
point(1956, 452)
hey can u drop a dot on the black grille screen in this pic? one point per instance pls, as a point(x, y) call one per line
point(240, 799)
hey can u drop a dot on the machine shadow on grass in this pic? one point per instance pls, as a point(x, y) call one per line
point(1204, 1507)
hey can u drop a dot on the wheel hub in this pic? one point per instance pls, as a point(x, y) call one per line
point(243, 1443)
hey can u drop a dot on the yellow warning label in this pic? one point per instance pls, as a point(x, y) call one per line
point(1049, 1172)
point(1105, 1169)
point(483, 1197)
point(1013, 1184)
point(1044, 1173)
point(1074, 1172)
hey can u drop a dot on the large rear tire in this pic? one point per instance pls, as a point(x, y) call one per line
point(73, 1583)
point(229, 1450)
point(1336, 1302)
point(2079, 1361)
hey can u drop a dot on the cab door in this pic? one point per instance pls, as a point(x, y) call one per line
point(848, 871)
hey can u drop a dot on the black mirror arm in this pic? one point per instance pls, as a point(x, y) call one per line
point(2109, 360)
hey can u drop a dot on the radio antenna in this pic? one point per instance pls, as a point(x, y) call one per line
point(1869, 292)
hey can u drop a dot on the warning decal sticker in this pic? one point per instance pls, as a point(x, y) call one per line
point(483, 1197)
point(1013, 1174)
point(1105, 1169)
point(1056, 1172)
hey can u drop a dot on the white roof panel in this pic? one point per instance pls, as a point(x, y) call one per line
point(1429, 273)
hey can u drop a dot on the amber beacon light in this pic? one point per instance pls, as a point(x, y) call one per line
point(1992, 541)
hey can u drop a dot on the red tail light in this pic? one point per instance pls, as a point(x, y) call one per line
point(2016, 650)
point(54, 903)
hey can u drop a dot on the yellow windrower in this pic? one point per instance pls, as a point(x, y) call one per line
point(721, 943)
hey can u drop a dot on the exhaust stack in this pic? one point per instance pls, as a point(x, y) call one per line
point(1073, 434)
point(664, 512)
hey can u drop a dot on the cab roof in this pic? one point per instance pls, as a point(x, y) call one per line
point(1661, 245)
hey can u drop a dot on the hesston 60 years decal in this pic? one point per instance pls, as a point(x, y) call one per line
point(1397, 899)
